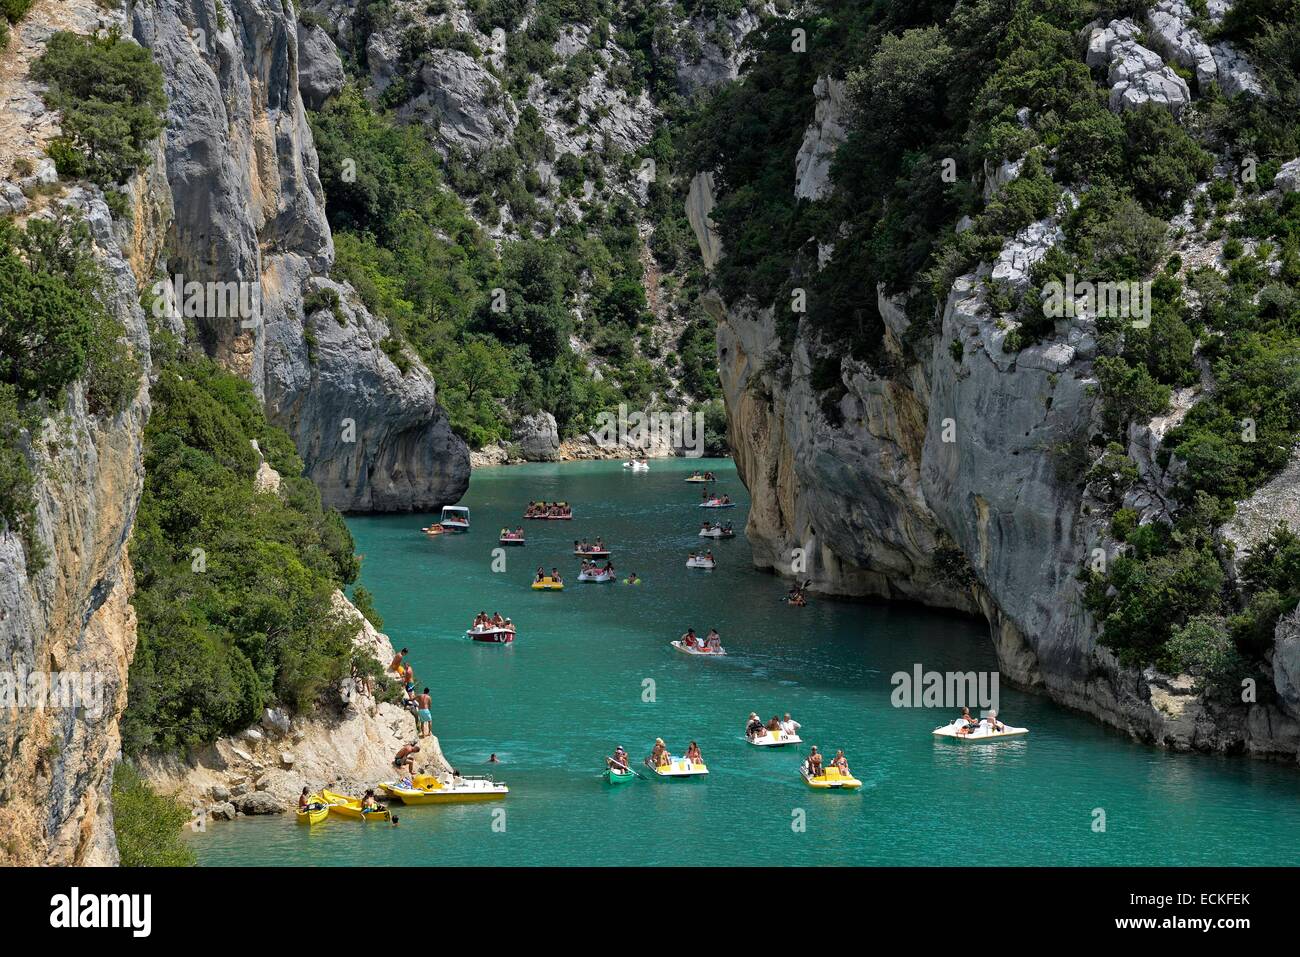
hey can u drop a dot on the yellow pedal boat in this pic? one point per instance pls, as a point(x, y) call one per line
point(679, 768)
point(343, 806)
point(428, 789)
point(829, 780)
point(549, 584)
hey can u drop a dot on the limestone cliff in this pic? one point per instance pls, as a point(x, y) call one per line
point(242, 169)
point(945, 475)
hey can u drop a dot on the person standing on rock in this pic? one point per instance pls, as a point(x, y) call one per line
point(424, 714)
point(399, 660)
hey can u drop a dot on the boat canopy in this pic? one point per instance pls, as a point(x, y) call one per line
point(455, 513)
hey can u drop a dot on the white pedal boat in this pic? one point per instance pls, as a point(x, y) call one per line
point(637, 466)
point(679, 768)
point(716, 533)
point(720, 653)
point(701, 563)
point(598, 577)
point(717, 503)
point(983, 733)
point(774, 739)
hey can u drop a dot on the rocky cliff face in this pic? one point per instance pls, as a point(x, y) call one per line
point(242, 170)
point(70, 621)
point(946, 478)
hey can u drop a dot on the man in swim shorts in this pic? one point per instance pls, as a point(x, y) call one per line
point(423, 714)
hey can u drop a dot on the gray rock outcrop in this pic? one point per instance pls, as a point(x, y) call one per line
point(320, 71)
point(242, 169)
point(824, 135)
point(1288, 177)
point(538, 437)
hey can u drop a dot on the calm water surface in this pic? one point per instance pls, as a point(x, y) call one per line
point(571, 688)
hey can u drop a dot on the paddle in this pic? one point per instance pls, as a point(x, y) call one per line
point(623, 766)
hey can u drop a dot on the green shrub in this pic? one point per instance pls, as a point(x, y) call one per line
point(15, 10)
point(110, 94)
point(147, 825)
point(234, 588)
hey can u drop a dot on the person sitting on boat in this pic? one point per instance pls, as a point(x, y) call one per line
point(705, 527)
point(789, 725)
point(774, 725)
point(993, 722)
point(728, 530)
point(508, 625)
point(754, 726)
point(966, 724)
point(708, 555)
point(841, 762)
point(368, 802)
point(658, 754)
point(404, 760)
point(814, 762)
point(693, 754)
point(497, 620)
point(689, 640)
point(713, 641)
point(555, 575)
point(541, 573)
point(619, 761)
point(304, 801)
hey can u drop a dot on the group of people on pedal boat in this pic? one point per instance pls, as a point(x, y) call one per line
point(554, 576)
point(482, 622)
point(715, 499)
point(707, 476)
point(710, 642)
point(967, 724)
point(597, 546)
point(548, 510)
point(596, 568)
point(816, 768)
point(704, 556)
point(755, 729)
point(660, 758)
point(516, 536)
point(717, 527)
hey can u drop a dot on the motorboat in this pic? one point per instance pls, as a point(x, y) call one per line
point(492, 635)
point(455, 518)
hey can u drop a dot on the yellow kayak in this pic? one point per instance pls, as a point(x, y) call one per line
point(350, 807)
point(427, 789)
point(829, 779)
point(548, 584)
point(314, 815)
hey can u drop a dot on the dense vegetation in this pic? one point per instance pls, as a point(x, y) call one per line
point(494, 328)
point(110, 96)
point(53, 331)
point(147, 825)
point(969, 85)
point(234, 585)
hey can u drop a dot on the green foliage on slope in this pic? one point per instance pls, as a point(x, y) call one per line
point(147, 825)
point(110, 96)
point(234, 586)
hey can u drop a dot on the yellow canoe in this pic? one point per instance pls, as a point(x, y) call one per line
point(548, 584)
point(314, 815)
point(350, 807)
point(429, 790)
point(829, 779)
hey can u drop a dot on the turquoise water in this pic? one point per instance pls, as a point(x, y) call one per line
point(571, 688)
